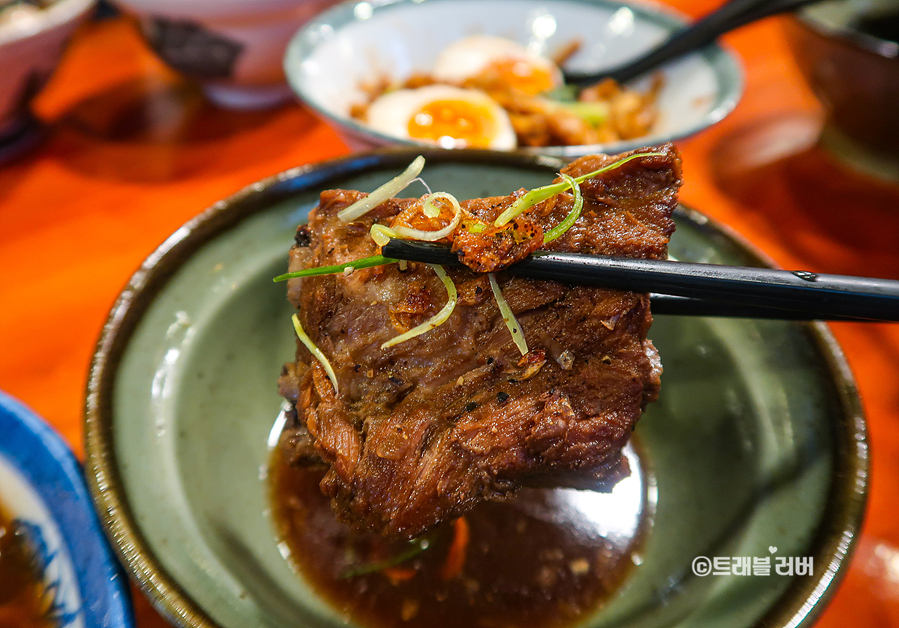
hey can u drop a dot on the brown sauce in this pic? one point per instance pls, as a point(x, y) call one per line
point(21, 593)
point(545, 559)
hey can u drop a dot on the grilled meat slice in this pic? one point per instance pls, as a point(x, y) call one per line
point(422, 431)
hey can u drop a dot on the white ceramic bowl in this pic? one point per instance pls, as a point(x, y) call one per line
point(357, 41)
point(234, 48)
point(30, 49)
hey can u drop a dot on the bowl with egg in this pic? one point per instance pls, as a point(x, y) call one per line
point(753, 454)
point(442, 72)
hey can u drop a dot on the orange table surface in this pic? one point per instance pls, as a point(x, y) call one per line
point(133, 151)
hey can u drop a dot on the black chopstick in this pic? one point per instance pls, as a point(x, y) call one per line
point(710, 289)
point(671, 305)
point(729, 16)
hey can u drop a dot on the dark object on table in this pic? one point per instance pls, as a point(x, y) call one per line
point(880, 25)
point(20, 137)
point(192, 49)
point(421, 431)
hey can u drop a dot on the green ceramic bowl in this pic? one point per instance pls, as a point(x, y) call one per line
point(757, 441)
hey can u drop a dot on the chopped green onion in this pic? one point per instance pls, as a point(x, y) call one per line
point(508, 316)
point(432, 236)
point(594, 113)
point(418, 546)
point(564, 93)
point(430, 208)
point(438, 319)
point(383, 193)
point(538, 195)
point(365, 262)
point(572, 216)
point(314, 350)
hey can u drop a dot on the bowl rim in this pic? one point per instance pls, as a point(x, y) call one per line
point(728, 73)
point(798, 606)
point(869, 43)
point(54, 16)
point(50, 469)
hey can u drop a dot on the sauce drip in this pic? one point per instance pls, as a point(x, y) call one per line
point(545, 559)
point(21, 593)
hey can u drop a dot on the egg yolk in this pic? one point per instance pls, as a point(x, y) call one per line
point(468, 123)
point(520, 76)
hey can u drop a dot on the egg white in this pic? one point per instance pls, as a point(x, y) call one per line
point(391, 113)
point(467, 57)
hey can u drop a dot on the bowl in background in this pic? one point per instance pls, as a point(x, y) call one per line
point(31, 45)
point(42, 491)
point(854, 72)
point(756, 442)
point(233, 48)
point(360, 41)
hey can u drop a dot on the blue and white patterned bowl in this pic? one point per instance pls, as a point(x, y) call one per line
point(42, 489)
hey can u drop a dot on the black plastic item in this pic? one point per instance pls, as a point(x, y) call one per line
point(731, 15)
point(729, 290)
point(671, 305)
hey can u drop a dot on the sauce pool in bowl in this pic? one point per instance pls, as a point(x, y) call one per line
point(21, 592)
point(545, 558)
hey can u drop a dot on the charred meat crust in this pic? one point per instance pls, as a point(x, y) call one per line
point(422, 431)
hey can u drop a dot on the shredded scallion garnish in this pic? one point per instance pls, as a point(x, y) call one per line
point(384, 192)
point(438, 319)
point(572, 216)
point(429, 207)
point(432, 211)
point(593, 113)
point(381, 234)
point(538, 195)
point(417, 546)
point(314, 350)
point(508, 316)
point(365, 262)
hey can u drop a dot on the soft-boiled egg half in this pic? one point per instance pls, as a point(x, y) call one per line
point(450, 117)
point(504, 60)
